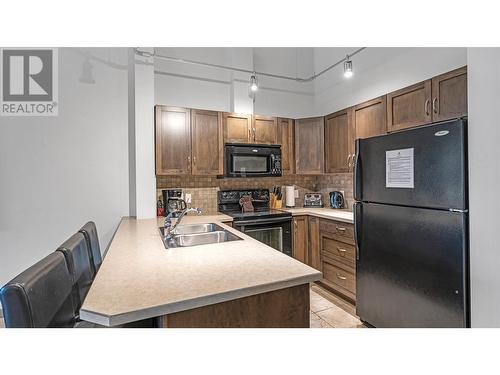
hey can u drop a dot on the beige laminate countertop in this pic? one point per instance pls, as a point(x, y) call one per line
point(326, 213)
point(140, 279)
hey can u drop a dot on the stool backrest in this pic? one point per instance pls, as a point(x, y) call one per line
point(40, 296)
point(89, 230)
point(77, 255)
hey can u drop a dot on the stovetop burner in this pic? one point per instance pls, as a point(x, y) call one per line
point(228, 201)
point(260, 214)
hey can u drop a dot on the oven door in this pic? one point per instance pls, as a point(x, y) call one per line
point(252, 161)
point(274, 232)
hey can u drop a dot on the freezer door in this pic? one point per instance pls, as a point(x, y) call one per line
point(422, 167)
point(412, 268)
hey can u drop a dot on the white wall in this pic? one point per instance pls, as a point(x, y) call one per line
point(377, 71)
point(193, 86)
point(144, 146)
point(484, 180)
point(56, 173)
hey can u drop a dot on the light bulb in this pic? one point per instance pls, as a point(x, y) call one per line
point(347, 68)
point(253, 83)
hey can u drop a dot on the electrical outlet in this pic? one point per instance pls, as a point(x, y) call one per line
point(296, 193)
point(188, 198)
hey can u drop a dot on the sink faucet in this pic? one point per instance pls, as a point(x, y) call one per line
point(169, 227)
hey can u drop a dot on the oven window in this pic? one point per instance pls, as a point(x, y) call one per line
point(249, 163)
point(270, 236)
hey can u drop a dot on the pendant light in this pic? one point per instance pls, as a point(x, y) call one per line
point(347, 67)
point(253, 83)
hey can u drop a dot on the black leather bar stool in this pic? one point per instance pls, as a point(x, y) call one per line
point(40, 296)
point(89, 230)
point(80, 266)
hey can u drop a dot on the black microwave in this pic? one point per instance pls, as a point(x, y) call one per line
point(247, 160)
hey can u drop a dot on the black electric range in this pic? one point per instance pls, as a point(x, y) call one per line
point(270, 226)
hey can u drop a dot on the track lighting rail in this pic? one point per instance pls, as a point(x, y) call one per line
point(201, 63)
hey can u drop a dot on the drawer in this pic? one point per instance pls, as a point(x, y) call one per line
point(339, 277)
point(344, 231)
point(339, 251)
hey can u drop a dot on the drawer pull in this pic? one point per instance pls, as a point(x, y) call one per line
point(341, 277)
point(341, 250)
point(341, 229)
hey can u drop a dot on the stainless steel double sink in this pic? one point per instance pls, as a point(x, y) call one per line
point(197, 234)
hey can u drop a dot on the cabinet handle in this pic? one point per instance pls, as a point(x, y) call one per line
point(341, 229)
point(434, 105)
point(426, 107)
point(189, 163)
point(341, 277)
point(249, 134)
point(254, 134)
point(194, 159)
point(349, 162)
point(341, 251)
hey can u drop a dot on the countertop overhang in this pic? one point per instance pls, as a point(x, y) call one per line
point(140, 279)
point(325, 213)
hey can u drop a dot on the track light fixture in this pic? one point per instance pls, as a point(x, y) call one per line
point(253, 83)
point(347, 67)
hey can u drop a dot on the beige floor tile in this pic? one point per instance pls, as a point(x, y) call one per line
point(317, 322)
point(319, 303)
point(336, 300)
point(339, 318)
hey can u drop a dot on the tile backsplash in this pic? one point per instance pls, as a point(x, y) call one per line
point(204, 190)
point(337, 181)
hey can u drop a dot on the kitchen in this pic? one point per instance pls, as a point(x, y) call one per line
point(253, 187)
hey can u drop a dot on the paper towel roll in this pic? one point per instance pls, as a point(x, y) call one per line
point(290, 196)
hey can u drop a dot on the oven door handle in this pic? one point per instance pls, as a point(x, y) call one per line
point(262, 221)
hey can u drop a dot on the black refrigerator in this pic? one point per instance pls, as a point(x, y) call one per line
point(411, 227)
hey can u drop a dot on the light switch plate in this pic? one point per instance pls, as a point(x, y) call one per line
point(188, 198)
point(296, 193)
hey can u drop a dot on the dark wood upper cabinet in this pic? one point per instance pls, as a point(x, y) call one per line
point(173, 140)
point(237, 128)
point(285, 139)
point(409, 107)
point(300, 238)
point(207, 142)
point(264, 129)
point(309, 145)
point(449, 95)
point(339, 141)
point(370, 118)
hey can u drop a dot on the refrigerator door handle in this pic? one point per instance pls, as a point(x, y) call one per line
point(357, 173)
point(357, 210)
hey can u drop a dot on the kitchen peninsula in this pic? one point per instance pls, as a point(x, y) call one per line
point(240, 283)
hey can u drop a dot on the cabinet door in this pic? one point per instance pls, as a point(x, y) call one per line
point(207, 143)
point(309, 145)
point(339, 141)
point(285, 139)
point(173, 140)
point(237, 128)
point(409, 107)
point(265, 129)
point(314, 258)
point(449, 95)
point(370, 118)
point(300, 238)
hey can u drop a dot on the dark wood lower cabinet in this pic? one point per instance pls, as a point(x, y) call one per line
point(338, 258)
point(300, 238)
point(314, 255)
point(328, 246)
point(283, 308)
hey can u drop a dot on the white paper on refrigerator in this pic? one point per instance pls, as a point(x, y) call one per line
point(399, 169)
